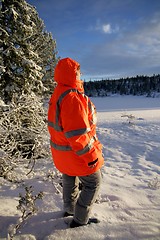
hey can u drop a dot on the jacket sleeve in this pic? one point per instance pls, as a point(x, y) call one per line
point(76, 127)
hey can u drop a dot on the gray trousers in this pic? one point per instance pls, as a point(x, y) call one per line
point(80, 202)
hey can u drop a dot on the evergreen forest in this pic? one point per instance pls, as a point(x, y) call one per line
point(139, 85)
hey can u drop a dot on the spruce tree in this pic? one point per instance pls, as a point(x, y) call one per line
point(26, 49)
point(27, 52)
point(48, 55)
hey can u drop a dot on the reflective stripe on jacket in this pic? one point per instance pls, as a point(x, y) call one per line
point(72, 125)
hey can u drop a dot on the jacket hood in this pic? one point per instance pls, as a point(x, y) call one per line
point(65, 72)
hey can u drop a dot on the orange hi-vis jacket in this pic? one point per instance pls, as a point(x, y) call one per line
point(75, 148)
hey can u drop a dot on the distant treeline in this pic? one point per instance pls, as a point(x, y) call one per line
point(139, 85)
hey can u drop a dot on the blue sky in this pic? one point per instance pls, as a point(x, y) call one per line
point(109, 38)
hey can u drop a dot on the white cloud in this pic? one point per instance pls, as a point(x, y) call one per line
point(106, 28)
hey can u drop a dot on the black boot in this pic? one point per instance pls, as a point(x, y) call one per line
point(74, 224)
point(66, 214)
point(93, 220)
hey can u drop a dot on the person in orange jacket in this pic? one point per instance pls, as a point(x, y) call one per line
point(75, 148)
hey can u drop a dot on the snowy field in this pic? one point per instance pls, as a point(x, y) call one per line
point(129, 201)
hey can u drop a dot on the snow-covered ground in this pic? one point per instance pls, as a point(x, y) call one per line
point(129, 201)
